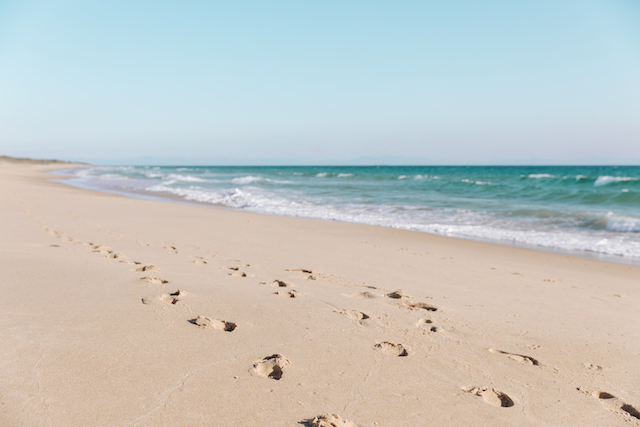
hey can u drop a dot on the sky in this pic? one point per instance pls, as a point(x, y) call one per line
point(295, 82)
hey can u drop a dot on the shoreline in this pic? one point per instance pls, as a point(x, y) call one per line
point(250, 319)
point(167, 197)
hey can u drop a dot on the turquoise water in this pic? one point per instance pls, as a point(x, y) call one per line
point(592, 209)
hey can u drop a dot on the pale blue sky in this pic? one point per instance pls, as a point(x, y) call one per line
point(453, 82)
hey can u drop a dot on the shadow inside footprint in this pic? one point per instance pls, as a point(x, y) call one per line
point(277, 283)
point(219, 325)
point(525, 360)
point(147, 268)
point(491, 396)
point(616, 404)
point(327, 420)
point(392, 349)
point(354, 314)
point(301, 270)
point(115, 256)
point(270, 366)
point(396, 295)
point(154, 280)
point(290, 294)
point(420, 306)
point(171, 298)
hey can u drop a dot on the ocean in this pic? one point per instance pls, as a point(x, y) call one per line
point(581, 210)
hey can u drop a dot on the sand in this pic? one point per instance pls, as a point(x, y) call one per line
point(126, 312)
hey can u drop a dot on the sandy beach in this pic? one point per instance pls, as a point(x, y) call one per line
point(128, 312)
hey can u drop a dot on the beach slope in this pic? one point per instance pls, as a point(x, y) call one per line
point(120, 311)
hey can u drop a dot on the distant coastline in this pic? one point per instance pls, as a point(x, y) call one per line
point(27, 160)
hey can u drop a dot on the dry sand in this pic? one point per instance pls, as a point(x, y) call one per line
point(124, 312)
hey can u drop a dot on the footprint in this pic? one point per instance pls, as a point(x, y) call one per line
point(148, 268)
point(238, 274)
point(101, 248)
point(115, 256)
point(154, 280)
point(329, 420)
point(396, 295)
point(490, 395)
point(423, 323)
point(615, 404)
point(301, 270)
point(392, 349)
point(270, 366)
point(141, 243)
point(420, 306)
point(162, 299)
point(277, 283)
point(426, 324)
point(288, 294)
point(365, 294)
point(199, 260)
point(592, 366)
point(354, 315)
point(219, 325)
point(525, 360)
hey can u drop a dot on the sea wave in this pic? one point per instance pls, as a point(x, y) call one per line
point(486, 203)
point(610, 221)
point(541, 175)
point(185, 178)
point(243, 180)
point(449, 222)
point(470, 181)
point(606, 179)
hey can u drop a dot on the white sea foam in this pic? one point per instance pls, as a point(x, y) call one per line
point(185, 178)
point(602, 232)
point(243, 180)
point(322, 175)
point(113, 177)
point(540, 175)
point(344, 175)
point(469, 181)
point(623, 223)
point(450, 222)
point(579, 177)
point(604, 180)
